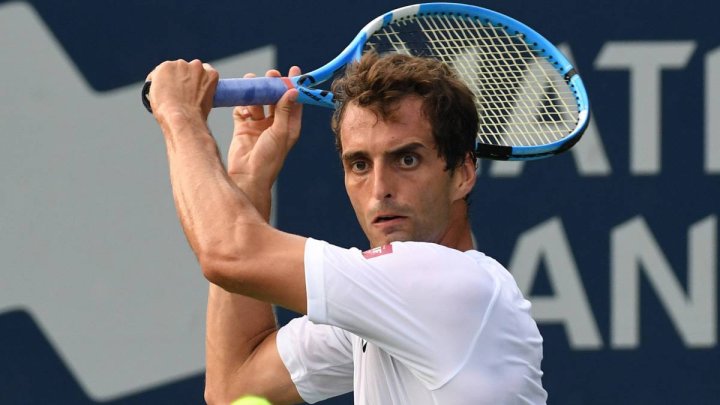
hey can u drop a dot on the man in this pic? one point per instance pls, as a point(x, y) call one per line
point(420, 318)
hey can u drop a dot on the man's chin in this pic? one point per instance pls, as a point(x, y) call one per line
point(392, 237)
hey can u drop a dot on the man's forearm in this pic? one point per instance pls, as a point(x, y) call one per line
point(236, 324)
point(209, 205)
point(237, 249)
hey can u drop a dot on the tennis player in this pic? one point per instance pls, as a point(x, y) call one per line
point(419, 318)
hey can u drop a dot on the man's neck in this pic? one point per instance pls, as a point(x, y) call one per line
point(459, 233)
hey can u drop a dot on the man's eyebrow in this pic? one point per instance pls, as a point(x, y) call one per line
point(404, 149)
point(350, 156)
point(400, 150)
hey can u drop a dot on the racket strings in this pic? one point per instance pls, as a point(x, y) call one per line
point(521, 98)
point(490, 79)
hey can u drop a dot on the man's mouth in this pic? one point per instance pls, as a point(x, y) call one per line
point(386, 218)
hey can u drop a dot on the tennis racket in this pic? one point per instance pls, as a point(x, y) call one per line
point(531, 101)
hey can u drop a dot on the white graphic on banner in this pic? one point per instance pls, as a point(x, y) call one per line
point(89, 243)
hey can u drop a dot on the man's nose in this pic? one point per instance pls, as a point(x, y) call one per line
point(383, 182)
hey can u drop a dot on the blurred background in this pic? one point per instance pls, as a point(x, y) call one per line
point(614, 242)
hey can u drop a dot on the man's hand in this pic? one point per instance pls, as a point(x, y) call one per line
point(261, 142)
point(182, 89)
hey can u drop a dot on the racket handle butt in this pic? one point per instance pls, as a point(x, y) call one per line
point(144, 95)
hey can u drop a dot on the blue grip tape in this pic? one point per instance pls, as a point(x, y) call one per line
point(251, 91)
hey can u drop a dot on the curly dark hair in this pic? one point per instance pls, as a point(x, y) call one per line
point(379, 82)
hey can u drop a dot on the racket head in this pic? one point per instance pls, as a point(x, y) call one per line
point(531, 101)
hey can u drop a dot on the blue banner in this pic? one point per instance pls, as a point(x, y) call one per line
point(615, 242)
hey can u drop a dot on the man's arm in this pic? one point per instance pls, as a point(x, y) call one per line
point(236, 248)
point(241, 352)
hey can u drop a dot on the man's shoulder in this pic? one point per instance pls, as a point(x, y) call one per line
point(424, 248)
point(432, 252)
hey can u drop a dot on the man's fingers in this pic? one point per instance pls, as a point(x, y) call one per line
point(294, 71)
point(254, 112)
point(272, 73)
point(284, 108)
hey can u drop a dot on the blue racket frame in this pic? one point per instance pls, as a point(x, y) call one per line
point(265, 90)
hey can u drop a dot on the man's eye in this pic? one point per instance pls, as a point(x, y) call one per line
point(359, 166)
point(408, 161)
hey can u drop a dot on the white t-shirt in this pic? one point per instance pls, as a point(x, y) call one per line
point(412, 323)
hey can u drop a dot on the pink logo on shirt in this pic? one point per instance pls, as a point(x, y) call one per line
point(378, 251)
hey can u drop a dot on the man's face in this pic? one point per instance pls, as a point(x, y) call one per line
point(396, 181)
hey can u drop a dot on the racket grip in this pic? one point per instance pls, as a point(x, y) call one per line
point(251, 91)
point(234, 92)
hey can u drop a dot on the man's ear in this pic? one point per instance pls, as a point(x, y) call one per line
point(464, 177)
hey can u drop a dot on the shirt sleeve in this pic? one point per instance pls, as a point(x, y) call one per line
point(318, 357)
point(423, 303)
